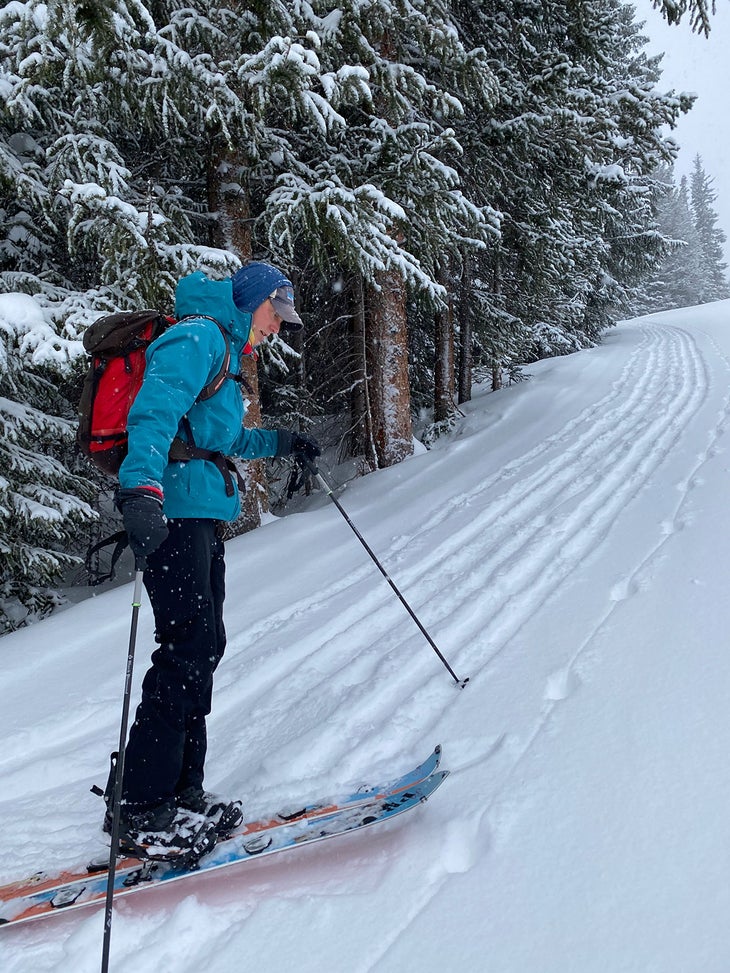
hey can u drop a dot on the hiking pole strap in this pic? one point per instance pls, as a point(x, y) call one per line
point(314, 470)
point(120, 541)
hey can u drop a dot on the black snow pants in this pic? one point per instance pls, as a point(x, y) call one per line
point(185, 581)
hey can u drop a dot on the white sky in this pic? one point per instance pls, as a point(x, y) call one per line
point(695, 63)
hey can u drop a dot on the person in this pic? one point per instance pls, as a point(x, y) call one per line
point(172, 511)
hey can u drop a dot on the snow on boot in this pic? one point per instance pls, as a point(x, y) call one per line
point(225, 815)
point(166, 833)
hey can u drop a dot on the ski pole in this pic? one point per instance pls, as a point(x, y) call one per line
point(308, 465)
point(119, 768)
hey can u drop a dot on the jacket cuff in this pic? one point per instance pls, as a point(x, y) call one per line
point(153, 492)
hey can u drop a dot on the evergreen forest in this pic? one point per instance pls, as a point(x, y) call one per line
point(456, 188)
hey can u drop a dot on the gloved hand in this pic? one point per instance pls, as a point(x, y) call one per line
point(146, 526)
point(299, 445)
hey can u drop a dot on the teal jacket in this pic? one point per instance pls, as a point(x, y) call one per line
point(179, 364)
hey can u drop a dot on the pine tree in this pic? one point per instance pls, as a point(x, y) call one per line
point(374, 199)
point(677, 281)
point(43, 502)
point(700, 12)
point(711, 238)
point(567, 158)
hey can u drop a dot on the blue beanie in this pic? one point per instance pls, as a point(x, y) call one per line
point(253, 283)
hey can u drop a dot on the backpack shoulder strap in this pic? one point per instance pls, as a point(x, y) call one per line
point(224, 372)
point(218, 379)
point(209, 390)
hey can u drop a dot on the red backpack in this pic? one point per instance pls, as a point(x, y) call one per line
point(117, 344)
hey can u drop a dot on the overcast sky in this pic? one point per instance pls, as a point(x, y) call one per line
point(695, 63)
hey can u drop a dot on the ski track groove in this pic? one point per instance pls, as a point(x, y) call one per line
point(667, 433)
point(533, 536)
point(594, 482)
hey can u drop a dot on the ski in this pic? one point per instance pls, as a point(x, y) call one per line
point(44, 883)
point(237, 850)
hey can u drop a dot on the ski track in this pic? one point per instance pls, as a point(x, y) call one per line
point(525, 530)
point(629, 441)
point(530, 526)
point(541, 531)
point(524, 541)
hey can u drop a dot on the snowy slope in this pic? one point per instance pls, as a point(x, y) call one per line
point(568, 547)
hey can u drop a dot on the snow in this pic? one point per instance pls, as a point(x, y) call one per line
point(23, 318)
point(567, 548)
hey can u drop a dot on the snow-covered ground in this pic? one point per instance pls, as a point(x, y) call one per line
point(568, 548)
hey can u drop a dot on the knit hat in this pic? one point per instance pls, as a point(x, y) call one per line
point(258, 282)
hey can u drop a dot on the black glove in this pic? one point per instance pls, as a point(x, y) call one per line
point(141, 509)
point(299, 445)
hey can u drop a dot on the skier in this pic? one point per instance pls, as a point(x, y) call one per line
point(172, 512)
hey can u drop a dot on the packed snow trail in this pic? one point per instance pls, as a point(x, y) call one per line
point(567, 548)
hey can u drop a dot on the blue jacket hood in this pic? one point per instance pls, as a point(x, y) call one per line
point(198, 294)
point(178, 365)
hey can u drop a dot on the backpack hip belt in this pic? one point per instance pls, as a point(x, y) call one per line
point(182, 451)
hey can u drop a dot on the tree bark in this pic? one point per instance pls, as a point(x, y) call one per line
point(497, 290)
point(443, 407)
point(466, 334)
point(361, 433)
point(389, 389)
point(231, 230)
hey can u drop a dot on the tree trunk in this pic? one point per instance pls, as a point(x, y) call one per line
point(389, 390)
point(231, 230)
point(497, 290)
point(443, 406)
point(466, 333)
point(361, 436)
